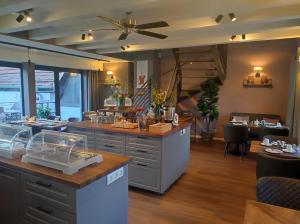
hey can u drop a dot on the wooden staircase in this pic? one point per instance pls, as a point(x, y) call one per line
point(193, 67)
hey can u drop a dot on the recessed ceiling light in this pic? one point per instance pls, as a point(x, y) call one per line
point(232, 37)
point(219, 18)
point(232, 16)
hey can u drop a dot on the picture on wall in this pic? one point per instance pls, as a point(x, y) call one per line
point(142, 73)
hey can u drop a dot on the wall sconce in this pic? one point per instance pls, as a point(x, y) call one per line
point(257, 70)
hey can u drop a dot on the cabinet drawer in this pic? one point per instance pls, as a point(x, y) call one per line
point(144, 153)
point(118, 149)
point(50, 192)
point(42, 213)
point(143, 142)
point(143, 174)
point(110, 137)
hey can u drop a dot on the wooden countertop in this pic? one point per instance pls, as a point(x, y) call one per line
point(260, 213)
point(135, 131)
point(80, 179)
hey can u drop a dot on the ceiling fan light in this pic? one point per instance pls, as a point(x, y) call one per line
point(83, 36)
point(20, 18)
point(232, 17)
point(28, 16)
point(219, 18)
point(232, 37)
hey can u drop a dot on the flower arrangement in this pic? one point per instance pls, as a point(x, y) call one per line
point(119, 95)
point(158, 100)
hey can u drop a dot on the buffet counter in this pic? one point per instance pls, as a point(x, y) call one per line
point(35, 194)
point(157, 159)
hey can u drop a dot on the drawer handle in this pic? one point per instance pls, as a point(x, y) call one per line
point(141, 164)
point(108, 133)
point(142, 151)
point(142, 137)
point(107, 145)
point(45, 210)
point(43, 184)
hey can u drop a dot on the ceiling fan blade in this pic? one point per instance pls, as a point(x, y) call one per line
point(93, 30)
point(109, 20)
point(151, 34)
point(152, 25)
point(123, 36)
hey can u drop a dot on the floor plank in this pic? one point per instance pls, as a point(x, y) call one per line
point(214, 190)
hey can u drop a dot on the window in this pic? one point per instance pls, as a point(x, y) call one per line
point(70, 95)
point(10, 94)
point(45, 90)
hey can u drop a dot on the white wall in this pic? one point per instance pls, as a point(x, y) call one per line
point(18, 54)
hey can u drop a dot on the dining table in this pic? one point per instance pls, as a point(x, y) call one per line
point(261, 213)
point(258, 147)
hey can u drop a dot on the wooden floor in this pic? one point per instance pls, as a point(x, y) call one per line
point(213, 190)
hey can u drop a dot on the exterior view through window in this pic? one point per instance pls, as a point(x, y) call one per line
point(70, 95)
point(45, 92)
point(10, 94)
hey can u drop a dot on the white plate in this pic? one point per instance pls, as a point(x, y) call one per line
point(275, 151)
point(289, 151)
point(265, 144)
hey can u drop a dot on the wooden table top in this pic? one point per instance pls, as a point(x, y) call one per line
point(256, 147)
point(80, 179)
point(261, 213)
point(134, 131)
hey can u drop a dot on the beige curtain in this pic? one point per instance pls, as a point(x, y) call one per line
point(94, 85)
point(293, 113)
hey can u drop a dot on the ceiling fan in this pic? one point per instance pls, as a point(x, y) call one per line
point(129, 25)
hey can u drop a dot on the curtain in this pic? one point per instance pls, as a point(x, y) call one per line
point(94, 86)
point(293, 113)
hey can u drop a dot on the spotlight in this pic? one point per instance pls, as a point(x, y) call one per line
point(83, 36)
point(232, 17)
point(123, 48)
point(219, 18)
point(28, 17)
point(243, 36)
point(232, 37)
point(128, 46)
point(20, 17)
point(90, 36)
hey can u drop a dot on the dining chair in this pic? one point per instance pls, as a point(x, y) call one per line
point(288, 140)
point(269, 165)
point(237, 135)
point(279, 191)
point(74, 119)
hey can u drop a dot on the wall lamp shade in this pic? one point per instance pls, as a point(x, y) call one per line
point(20, 18)
point(232, 16)
point(257, 70)
point(109, 72)
point(219, 18)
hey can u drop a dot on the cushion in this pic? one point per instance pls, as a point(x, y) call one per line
point(269, 120)
point(241, 118)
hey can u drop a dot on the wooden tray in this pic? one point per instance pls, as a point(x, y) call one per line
point(160, 127)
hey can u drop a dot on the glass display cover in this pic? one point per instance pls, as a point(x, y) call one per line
point(13, 140)
point(60, 150)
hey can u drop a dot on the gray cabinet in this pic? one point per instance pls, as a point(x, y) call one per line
point(156, 163)
point(9, 196)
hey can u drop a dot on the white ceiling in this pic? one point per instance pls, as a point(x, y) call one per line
point(191, 22)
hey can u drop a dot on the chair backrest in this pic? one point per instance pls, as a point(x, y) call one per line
point(235, 134)
point(280, 191)
point(288, 140)
point(74, 119)
point(268, 165)
point(263, 131)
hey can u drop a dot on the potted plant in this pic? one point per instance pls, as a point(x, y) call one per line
point(43, 112)
point(158, 100)
point(207, 107)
